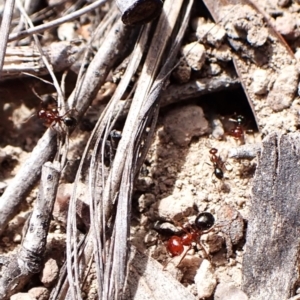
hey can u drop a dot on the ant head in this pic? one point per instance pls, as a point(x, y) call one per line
point(204, 221)
point(240, 119)
point(213, 151)
point(70, 121)
point(115, 134)
point(42, 113)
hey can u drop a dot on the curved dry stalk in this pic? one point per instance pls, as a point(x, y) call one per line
point(143, 112)
point(94, 139)
point(57, 22)
point(30, 7)
point(111, 258)
point(63, 138)
point(44, 58)
point(5, 26)
point(115, 254)
point(88, 88)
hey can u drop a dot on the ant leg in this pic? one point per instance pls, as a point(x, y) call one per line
point(68, 112)
point(225, 164)
point(212, 179)
point(53, 123)
point(183, 256)
point(207, 256)
point(166, 263)
point(57, 122)
point(180, 260)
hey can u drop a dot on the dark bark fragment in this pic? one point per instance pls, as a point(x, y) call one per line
point(135, 12)
point(270, 263)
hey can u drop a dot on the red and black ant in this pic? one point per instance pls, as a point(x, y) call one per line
point(203, 224)
point(217, 163)
point(52, 117)
point(238, 131)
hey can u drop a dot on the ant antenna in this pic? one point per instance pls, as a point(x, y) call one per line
point(36, 94)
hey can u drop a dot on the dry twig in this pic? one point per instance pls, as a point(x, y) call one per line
point(28, 260)
point(30, 171)
point(57, 22)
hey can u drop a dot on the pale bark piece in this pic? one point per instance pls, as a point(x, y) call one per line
point(27, 59)
point(148, 280)
point(272, 244)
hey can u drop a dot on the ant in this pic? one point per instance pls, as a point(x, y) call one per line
point(52, 117)
point(238, 131)
point(203, 224)
point(111, 146)
point(217, 163)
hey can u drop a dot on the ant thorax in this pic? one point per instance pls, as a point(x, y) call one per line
point(52, 117)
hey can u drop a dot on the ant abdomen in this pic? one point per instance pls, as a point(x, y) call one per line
point(175, 245)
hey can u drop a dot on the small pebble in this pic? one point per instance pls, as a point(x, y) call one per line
point(150, 237)
point(17, 238)
point(223, 53)
point(283, 3)
point(212, 242)
point(286, 24)
point(205, 280)
point(232, 226)
point(194, 54)
point(66, 32)
point(285, 86)
point(22, 296)
point(145, 201)
point(217, 128)
point(171, 208)
point(257, 36)
point(214, 69)
point(184, 123)
point(214, 34)
point(229, 292)
point(167, 228)
point(49, 273)
point(260, 82)
point(182, 73)
point(39, 293)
